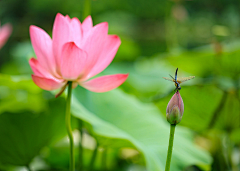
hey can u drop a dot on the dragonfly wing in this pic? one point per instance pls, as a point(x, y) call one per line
point(181, 80)
point(169, 79)
point(172, 77)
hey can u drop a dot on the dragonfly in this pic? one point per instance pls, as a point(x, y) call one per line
point(178, 81)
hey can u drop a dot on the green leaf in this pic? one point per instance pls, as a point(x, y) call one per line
point(228, 117)
point(24, 134)
point(27, 124)
point(120, 120)
point(20, 93)
point(145, 77)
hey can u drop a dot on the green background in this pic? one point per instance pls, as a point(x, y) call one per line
point(200, 38)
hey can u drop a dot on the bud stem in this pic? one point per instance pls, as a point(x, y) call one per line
point(170, 147)
point(68, 126)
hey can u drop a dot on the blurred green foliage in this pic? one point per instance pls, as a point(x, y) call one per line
point(201, 38)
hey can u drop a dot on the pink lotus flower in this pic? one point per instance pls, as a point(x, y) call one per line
point(5, 32)
point(77, 52)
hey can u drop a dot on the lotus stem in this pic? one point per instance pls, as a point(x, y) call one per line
point(94, 155)
point(170, 146)
point(68, 126)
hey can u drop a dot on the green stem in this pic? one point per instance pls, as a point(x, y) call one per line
point(170, 147)
point(80, 153)
point(170, 27)
point(28, 168)
point(94, 155)
point(87, 8)
point(104, 159)
point(68, 126)
point(217, 111)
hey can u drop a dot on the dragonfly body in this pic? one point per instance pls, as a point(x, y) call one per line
point(178, 81)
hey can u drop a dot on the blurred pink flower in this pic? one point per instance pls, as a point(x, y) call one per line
point(175, 109)
point(5, 32)
point(77, 52)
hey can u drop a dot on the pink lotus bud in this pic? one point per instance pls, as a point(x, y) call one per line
point(175, 109)
point(5, 32)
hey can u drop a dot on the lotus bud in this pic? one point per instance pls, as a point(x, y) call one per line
point(175, 109)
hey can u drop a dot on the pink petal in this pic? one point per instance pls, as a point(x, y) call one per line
point(38, 69)
point(46, 83)
point(42, 45)
point(73, 61)
point(94, 43)
point(108, 52)
point(61, 35)
point(76, 31)
point(67, 18)
point(5, 32)
point(87, 25)
point(104, 83)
